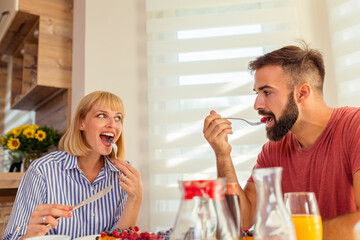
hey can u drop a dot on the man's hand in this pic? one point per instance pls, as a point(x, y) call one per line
point(215, 131)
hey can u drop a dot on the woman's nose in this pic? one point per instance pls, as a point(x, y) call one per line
point(111, 122)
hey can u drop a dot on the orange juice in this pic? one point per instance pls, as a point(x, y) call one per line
point(308, 227)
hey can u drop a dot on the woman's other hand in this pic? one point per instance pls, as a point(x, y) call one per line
point(45, 217)
point(130, 180)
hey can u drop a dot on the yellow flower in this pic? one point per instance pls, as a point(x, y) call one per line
point(34, 126)
point(2, 139)
point(29, 132)
point(16, 131)
point(40, 135)
point(13, 143)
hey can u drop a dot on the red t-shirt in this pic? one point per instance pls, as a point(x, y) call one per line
point(326, 168)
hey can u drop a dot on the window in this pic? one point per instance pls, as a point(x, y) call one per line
point(198, 52)
point(344, 19)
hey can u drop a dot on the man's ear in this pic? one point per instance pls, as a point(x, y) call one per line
point(303, 92)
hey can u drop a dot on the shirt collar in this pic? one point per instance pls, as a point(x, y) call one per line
point(110, 165)
point(71, 163)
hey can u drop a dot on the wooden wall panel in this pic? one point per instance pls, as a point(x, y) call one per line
point(54, 112)
point(3, 80)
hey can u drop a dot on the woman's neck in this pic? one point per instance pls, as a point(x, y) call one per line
point(91, 165)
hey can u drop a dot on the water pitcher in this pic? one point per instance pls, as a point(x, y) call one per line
point(203, 213)
point(272, 220)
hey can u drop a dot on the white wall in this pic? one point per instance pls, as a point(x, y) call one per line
point(109, 54)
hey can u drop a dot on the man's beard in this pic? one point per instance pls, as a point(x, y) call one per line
point(286, 120)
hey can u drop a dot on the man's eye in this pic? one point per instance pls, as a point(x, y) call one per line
point(266, 92)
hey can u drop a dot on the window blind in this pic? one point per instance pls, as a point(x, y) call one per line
point(198, 52)
point(344, 18)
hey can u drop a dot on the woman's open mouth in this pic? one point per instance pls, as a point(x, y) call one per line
point(107, 138)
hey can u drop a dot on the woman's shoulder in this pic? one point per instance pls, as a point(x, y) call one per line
point(56, 157)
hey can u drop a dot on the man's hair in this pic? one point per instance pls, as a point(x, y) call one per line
point(73, 140)
point(302, 64)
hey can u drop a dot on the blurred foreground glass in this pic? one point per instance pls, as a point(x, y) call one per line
point(305, 215)
point(272, 220)
point(203, 212)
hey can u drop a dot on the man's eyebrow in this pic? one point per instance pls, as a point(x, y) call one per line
point(263, 87)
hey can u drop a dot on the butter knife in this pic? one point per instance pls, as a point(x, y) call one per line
point(94, 197)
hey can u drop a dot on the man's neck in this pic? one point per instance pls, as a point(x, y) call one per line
point(311, 124)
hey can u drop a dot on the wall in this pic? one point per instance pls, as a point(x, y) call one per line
point(109, 54)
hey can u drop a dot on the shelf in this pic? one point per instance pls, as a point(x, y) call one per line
point(10, 180)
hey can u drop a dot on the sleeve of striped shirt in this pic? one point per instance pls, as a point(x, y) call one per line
point(31, 192)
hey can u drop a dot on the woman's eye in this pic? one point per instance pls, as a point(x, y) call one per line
point(101, 115)
point(118, 119)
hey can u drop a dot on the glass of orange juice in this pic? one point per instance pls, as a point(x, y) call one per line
point(305, 215)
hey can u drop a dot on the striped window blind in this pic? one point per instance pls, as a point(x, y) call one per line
point(344, 19)
point(198, 52)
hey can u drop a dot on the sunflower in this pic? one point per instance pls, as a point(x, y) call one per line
point(13, 143)
point(29, 132)
point(16, 131)
point(40, 135)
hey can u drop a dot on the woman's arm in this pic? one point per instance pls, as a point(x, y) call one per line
point(130, 181)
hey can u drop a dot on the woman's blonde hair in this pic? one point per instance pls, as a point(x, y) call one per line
point(73, 142)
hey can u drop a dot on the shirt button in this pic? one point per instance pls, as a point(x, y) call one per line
point(18, 228)
point(93, 214)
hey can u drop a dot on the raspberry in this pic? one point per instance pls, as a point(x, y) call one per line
point(263, 120)
point(116, 234)
point(136, 228)
point(103, 234)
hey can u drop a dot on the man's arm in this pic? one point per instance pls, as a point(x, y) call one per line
point(215, 131)
point(342, 227)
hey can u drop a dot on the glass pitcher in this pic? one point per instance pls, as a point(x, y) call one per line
point(272, 220)
point(203, 214)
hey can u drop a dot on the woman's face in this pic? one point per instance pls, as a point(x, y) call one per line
point(100, 125)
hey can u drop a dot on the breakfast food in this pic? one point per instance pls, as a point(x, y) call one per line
point(133, 233)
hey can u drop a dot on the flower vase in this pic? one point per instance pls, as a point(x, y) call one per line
point(30, 157)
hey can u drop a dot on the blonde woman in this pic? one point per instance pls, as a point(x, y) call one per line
point(55, 183)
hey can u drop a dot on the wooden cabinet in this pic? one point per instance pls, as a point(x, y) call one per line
point(9, 183)
point(40, 40)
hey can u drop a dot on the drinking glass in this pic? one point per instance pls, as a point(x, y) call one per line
point(305, 215)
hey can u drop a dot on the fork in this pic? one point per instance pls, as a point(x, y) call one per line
point(114, 146)
point(248, 122)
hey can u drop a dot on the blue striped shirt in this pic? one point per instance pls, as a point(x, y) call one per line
point(57, 179)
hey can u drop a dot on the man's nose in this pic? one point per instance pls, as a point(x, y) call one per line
point(259, 103)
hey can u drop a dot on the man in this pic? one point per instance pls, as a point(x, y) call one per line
point(317, 146)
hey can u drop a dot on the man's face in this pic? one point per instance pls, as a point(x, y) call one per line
point(284, 123)
point(275, 101)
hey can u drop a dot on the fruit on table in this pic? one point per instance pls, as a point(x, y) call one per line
point(133, 233)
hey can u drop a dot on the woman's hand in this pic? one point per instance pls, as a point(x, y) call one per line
point(130, 181)
point(45, 217)
point(215, 132)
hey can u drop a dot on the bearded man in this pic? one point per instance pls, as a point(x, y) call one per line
point(318, 147)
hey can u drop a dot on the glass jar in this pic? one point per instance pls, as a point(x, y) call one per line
point(203, 213)
point(30, 157)
point(233, 202)
point(272, 220)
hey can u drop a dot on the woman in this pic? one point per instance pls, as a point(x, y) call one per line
point(55, 183)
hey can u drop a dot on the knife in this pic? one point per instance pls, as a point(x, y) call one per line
point(94, 197)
